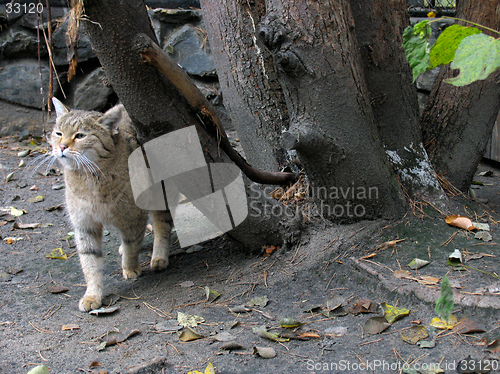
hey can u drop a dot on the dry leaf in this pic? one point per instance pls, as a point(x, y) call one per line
point(392, 313)
point(442, 324)
point(57, 253)
point(70, 327)
point(402, 274)
point(264, 352)
point(428, 280)
point(57, 288)
point(187, 320)
point(460, 221)
point(414, 334)
point(376, 325)
point(468, 326)
point(189, 335)
point(363, 306)
point(105, 310)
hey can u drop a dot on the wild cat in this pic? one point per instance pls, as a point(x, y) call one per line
point(93, 149)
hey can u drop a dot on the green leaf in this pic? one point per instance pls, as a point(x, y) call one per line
point(443, 51)
point(477, 57)
point(444, 304)
point(417, 47)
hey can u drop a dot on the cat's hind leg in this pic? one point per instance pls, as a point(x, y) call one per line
point(131, 244)
point(89, 243)
point(162, 227)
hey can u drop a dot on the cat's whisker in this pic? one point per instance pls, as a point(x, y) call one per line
point(45, 158)
point(93, 166)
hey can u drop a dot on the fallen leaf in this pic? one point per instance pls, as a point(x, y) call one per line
point(23, 153)
point(231, 346)
point(94, 364)
point(414, 334)
point(428, 280)
point(392, 313)
point(468, 326)
point(388, 244)
point(55, 207)
point(263, 333)
point(57, 253)
point(240, 309)
point(309, 335)
point(494, 346)
point(364, 306)
point(335, 332)
point(168, 326)
point(402, 274)
point(105, 310)
point(460, 221)
point(290, 323)
point(444, 325)
point(264, 352)
point(36, 199)
point(24, 226)
point(187, 320)
point(208, 370)
point(224, 337)
point(481, 226)
point(70, 327)
point(417, 264)
point(57, 288)
point(40, 369)
point(258, 301)
point(9, 177)
point(186, 284)
point(484, 236)
point(211, 295)
point(487, 173)
point(376, 325)
point(426, 343)
point(189, 335)
point(16, 212)
point(110, 299)
point(455, 259)
point(114, 337)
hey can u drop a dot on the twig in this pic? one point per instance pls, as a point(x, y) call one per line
point(373, 341)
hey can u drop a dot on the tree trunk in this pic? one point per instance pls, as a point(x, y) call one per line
point(331, 121)
point(379, 29)
point(120, 32)
point(457, 121)
point(252, 94)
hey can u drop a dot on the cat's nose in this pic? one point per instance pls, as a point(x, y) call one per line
point(63, 147)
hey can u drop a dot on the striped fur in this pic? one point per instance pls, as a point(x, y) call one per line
point(93, 149)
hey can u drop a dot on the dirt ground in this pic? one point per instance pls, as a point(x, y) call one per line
point(331, 265)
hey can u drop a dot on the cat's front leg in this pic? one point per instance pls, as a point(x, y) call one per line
point(89, 243)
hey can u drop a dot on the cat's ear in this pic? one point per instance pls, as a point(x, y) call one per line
point(60, 107)
point(112, 118)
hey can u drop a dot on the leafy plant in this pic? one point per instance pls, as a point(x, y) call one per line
point(475, 54)
point(444, 304)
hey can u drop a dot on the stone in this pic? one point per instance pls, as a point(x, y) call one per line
point(20, 82)
point(91, 93)
point(84, 48)
point(178, 16)
point(426, 80)
point(18, 43)
point(188, 46)
point(173, 4)
point(15, 119)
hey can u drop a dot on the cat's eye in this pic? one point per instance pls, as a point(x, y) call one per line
point(58, 133)
point(80, 135)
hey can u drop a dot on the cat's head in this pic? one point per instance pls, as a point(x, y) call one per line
point(82, 139)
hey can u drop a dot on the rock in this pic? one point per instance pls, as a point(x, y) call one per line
point(18, 43)
point(426, 80)
point(84, 49)
point(173, 4)
point(91, 93)
point(15, 120)
point(20, 82)
point(29, 20)
point(178, 16)
point(188, 46)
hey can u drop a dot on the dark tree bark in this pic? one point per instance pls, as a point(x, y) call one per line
point(122, 38)
point(331, 121)
point(379, 29)
point(251, 91)
point(458, 121)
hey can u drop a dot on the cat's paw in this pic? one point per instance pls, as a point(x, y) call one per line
point(159, 263)
point(88, 303)
point(131, 273)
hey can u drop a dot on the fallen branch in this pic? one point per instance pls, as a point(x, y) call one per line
point(153, 55)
